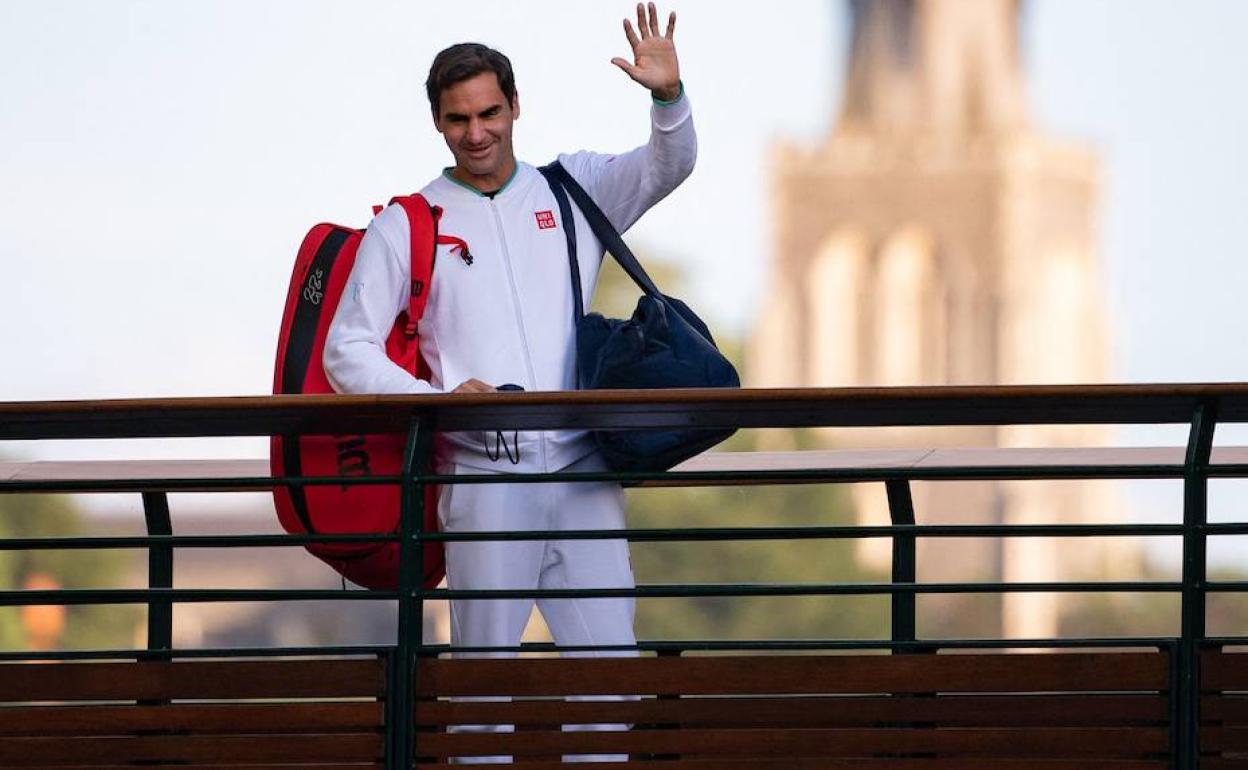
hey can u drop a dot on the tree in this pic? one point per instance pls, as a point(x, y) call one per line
point(762, 561)
point(85, 626)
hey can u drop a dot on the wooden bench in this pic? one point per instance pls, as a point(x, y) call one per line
point(1000, 710)
point(316, 714)
point(1005, 711)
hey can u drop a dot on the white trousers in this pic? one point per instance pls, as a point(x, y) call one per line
point(543, 564)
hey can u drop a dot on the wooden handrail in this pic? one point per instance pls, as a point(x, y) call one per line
point(802, 407)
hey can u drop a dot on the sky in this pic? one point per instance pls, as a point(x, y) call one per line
point(160, 162)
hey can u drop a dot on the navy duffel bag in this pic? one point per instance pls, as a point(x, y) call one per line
point(663, 345)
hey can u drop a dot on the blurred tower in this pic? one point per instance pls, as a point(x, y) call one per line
point(936, 237)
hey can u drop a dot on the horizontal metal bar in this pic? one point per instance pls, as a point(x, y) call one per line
point(362, 650)
point(81, 596)
point(690, 478)
point(1227, 586)
point(199, 595)
point(695, 645)
point(185, 484)
point(808, 533)
point(1237, 528)
point(1224, 641)
point(185, 541)
point(833, 475)
point(802, 589)
point(692, 645)
point(1225, 470)
point(633, 535)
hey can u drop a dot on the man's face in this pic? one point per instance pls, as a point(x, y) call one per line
point(475, 119)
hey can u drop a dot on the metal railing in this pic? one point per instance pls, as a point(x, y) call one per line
point(1200, 407)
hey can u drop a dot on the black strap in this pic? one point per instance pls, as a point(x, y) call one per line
point(558, 177)
point(569, 232)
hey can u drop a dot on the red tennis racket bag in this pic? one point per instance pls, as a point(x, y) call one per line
point(321, 271)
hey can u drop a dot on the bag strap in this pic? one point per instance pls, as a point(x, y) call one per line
point(569, 232)
point(423, 222)
point(558, 176)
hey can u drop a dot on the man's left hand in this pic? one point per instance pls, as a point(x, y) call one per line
point(654, 55)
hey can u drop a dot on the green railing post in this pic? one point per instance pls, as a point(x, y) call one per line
point(400, 702)
point(1172, 648)
point(1195, 516)
point(159, 575)
point(901, 513)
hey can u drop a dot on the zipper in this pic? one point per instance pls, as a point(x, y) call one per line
point(515, 296)
point(515, 301)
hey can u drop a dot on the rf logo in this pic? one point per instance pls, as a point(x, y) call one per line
point(314, 288)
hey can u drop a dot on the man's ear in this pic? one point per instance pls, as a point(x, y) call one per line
point(515, 105)
point(437, 124)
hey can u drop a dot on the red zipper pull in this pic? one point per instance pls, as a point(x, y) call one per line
point(458, 246)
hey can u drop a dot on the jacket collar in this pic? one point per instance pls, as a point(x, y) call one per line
point(468, 189)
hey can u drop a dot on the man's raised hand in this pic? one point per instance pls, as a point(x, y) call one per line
point(654, 55)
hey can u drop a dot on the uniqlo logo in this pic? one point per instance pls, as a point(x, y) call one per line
point(545, 219)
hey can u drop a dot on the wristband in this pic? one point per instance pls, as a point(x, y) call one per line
point(680, 85)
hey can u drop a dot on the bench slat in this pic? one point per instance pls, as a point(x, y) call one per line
point(192, 680)
point(1234, 739)
point(1132, 742)
point(1232, 709)
point(963, 763)
point(983, 711)
point(1223, 670)
point(1074, 672)
point(38, 752)
point(200, 719)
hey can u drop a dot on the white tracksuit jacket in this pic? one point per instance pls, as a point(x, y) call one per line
point(507, 317)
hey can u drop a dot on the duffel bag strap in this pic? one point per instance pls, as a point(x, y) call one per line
point(569, 232)
point(602, 227)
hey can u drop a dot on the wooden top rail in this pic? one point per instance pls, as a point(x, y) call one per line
point(966, 464)
point(962, 405)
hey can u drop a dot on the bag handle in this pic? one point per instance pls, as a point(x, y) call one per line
point(558, 176)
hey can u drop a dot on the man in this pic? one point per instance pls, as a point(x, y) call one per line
point(500, 313)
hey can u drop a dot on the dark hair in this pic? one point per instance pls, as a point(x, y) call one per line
point(463, 61)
